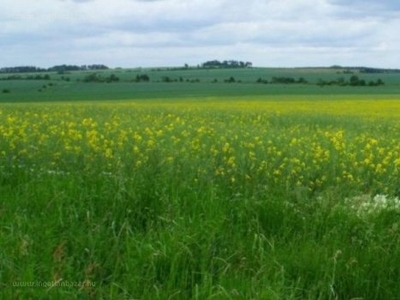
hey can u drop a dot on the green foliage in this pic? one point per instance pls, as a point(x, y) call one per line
point(353, 81)
point(228, 64)
point(142, 77)
point(38, 77)
point(283, 80)
point(209, 83)
point(22, 69)
point(156, 228)
point(65, 78)
point(168, 79)
point(95, 77)
point(260, 80)
point(230, 80)
point(60, 69)
point(29, 77)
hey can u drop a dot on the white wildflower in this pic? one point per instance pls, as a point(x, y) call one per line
point(366, 205)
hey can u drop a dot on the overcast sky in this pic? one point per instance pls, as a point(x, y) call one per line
point(147, 33)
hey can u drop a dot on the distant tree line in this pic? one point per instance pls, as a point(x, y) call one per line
point(377, 71)
point(30, 77)
point(68, 68)
point(230, 80)
point(226, 64)
point(349, 70)
point(282, 80)
point(94, 77)
point(353, 81)
point(168, 79)
point(60, 68)
point(142, 78)
point(22, 69)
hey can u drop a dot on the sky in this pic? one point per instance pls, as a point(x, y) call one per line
point(156, 33)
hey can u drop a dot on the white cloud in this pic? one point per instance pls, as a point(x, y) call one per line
point(167, 32)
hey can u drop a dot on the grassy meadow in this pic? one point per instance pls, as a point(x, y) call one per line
point(190, 83)
point(257, 197)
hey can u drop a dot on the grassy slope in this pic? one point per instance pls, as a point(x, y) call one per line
point(172, 232)
point(156, 235)
point(26, 91)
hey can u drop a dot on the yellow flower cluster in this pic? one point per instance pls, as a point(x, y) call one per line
point(311, 144)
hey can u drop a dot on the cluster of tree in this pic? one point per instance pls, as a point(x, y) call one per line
point(378, 71)
point(60, 68)
point(353, 81)
point(345, 71)
point(95, 67)
point(94, 77)
point(65, 68)
point(12, 77)
point(168, 79)
point(44, 87)
point(283, 80)
point(38, 77)
point(142, 78)
point(230, 80)
point(349, 70)
point(226, 64)
point(65, 78)
point(184, 68)
point(22, 69)
point(30, 77)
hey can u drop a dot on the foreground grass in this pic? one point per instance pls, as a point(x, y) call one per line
point(206, 200)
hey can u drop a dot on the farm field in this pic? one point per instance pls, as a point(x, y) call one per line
point(175, 84)
point(203, 197)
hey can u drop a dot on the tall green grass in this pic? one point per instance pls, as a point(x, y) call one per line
point(178, 231)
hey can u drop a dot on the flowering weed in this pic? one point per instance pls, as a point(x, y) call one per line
point(201, 199)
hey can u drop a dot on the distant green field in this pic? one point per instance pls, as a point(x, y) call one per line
point(187, 83)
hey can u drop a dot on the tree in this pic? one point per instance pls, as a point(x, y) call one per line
point(302, 80)
point(93, 77)
point(167, 79)
point(354, 81)
point(143, 77)
point(112, 78)
point(226, 64)
point(230, 80)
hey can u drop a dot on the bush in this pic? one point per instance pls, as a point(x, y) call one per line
point(143, 77)
point(38, 77)
point(230, 80)
point(261, 80)
point(353, 81)
point(167, 79)
point(112, 78)
point(6, 91)
point(94, 77)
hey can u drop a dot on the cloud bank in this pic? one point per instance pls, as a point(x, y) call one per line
point(173, 32)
